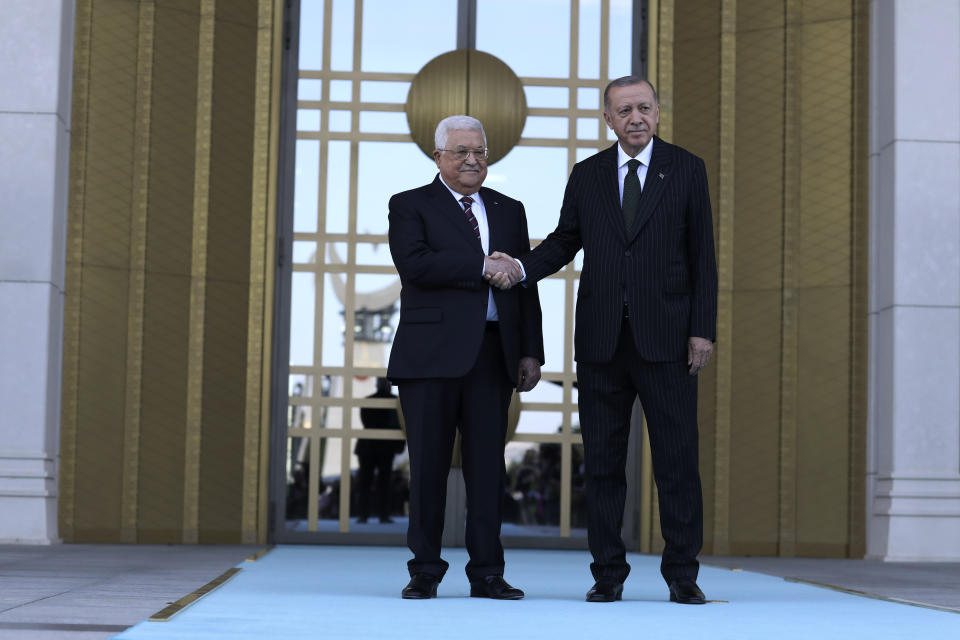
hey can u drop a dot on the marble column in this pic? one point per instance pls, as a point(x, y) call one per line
point(913, 483)
point(36, 59)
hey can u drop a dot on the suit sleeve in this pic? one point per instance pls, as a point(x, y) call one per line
point(531, 317)
point(563, 243)
point(702, 258)
point(422, 265)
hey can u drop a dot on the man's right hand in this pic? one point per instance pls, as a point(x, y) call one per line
point(501, 270)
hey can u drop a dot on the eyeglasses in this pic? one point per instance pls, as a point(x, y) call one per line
point(461, 153)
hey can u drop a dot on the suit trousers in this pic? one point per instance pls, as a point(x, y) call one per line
point(433, 409)
point(668, 395)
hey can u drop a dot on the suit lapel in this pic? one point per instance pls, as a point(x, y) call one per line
point(610, 188)
point(452, 211)
point(495, 224)
point(658, 173)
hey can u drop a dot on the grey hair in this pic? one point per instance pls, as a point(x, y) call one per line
point(627, 81)
point(456, 123)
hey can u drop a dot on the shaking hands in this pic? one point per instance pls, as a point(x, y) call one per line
point(501, 270)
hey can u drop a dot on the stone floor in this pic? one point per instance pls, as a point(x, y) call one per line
point(78, 591)
point(931, 583)
point(81, 591)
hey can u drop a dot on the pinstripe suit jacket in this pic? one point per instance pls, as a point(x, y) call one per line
point(664, 267)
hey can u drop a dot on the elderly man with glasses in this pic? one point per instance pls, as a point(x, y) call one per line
point(460, 349)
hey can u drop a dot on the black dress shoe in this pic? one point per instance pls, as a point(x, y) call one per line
point(686, 591)
point(494, 587)
point(421, 587)
point(605, 592)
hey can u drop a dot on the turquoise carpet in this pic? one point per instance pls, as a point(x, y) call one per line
point(354, 592)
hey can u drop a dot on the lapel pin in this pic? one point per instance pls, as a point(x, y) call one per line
point(661, 175)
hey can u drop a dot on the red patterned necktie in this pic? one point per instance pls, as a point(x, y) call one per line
point(467, 201)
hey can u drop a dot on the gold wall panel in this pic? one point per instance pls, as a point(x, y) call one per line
point(263, 216)
point(101, 382)
point(696, 117)
point(163, 408)
point(823, 443)
point(228, 271)
point(773, 96)
point(167, 307)
point(73, 273)
point(725, 219)
point(193, 423)
point(755, 419)
point(824, 274)
point(758, 228)
point(167, 242)
point(100, 409)
point(221, 458)
point(758, 232)
point(754, 15)
point(137, 275)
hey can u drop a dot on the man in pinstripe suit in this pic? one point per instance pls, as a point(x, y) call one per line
point(646, 319)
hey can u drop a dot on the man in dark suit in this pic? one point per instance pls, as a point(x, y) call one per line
point(646, 319)
point(376, 456)
point(460, 349)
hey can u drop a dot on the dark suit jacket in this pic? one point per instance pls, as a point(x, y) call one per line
point(664, 267)
point(443, 302)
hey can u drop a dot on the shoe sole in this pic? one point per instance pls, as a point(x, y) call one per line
point(483, 595)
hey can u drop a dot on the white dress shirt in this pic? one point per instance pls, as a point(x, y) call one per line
point(623, 159)
point(480, 213)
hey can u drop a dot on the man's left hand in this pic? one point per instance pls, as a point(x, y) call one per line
point(699, 351)
point(529, 374)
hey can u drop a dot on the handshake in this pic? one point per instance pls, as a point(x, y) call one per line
point(501, 270)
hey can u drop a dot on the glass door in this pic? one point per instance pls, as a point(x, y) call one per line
point(345, 467)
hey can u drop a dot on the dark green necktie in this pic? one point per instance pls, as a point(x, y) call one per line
point(631, 193)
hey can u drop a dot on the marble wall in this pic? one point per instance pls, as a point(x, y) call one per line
point(36, 57)
point(913, 466)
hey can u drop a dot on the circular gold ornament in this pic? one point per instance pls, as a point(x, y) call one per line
point(472, 83)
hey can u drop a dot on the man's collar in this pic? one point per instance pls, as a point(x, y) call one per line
point(456, 195)
point(644, 156)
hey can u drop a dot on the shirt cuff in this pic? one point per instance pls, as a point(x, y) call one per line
point(523, 271)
